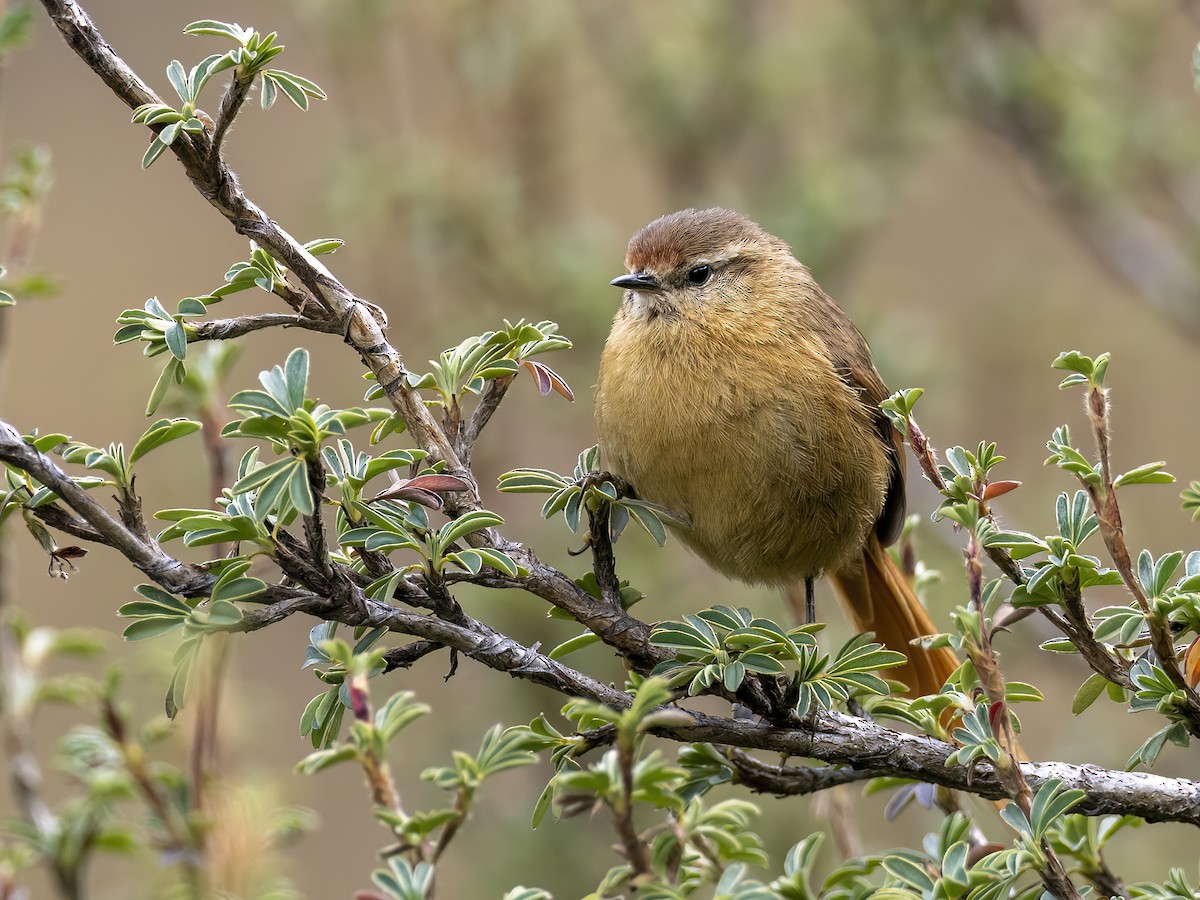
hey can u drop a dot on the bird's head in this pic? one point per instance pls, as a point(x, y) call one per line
point(695, 260)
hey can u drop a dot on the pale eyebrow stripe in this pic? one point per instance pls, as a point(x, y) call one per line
point(729, 253)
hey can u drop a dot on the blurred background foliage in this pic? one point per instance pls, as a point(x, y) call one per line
point(980, 183)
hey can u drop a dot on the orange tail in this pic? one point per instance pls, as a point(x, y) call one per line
point(877, 597)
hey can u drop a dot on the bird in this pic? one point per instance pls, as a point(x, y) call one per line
point(736, 394)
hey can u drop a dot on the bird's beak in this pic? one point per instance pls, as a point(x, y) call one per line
point(637, 281)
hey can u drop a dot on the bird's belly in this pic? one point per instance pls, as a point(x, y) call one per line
point(776, 485)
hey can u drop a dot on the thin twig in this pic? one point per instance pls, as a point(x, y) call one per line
point(493, 393)
point(405, 657)
point(784, 781)
point(636, 850)
point(145, 555)
point(1112, 532)
point(314, 526)
point(360, 322)
point(231, 103)
point(604, 560)
point(227, 329)
point(1075, 625)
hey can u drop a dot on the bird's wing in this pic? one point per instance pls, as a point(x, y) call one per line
point(851, 357)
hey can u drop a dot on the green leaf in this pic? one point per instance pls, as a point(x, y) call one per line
point(322, 246)
point(151, 627)
point(169, 602)
point(1088, 692)
point(192, 306)
point(476, 520)
point(1051, 803)
point(259, 403)
point(297, 89)
point(647, 518)
point(323, 759)
point(167, 135)
point(153, 152)
point(578, 642)
point(176, 339)
point(296, 372)
point(273, 483)
point(899, 406)
point(474, 558)
point(1015, 819)
point(531, 481)
point(909, 872)
point(400, 711)
point(162, 432)
point(218, 29)
point(1150, 473)
point(1019, 544)
point(220, 613)
point(954, 864)
point(1085, 368)
point(238, 589)
point(172, 372)
point(184, 657)
point(178, 78)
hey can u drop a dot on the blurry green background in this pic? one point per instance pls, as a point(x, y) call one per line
point(979, 184)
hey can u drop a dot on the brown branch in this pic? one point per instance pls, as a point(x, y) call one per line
point(987, 669)
point(829, 736)
point(785, 781)
point(840, 739)
point(835, 738)
point(1075, 625)
point(57, 517)
point(314, 526)
point(236, 93)
point(405, 657)
point(614, 626)
point(146, 555)
point(360, 322)
point(1112, 532)
point(636, 849)
point(604, 560)
point(493, 393)
point(1106, 881)
point(227, 329)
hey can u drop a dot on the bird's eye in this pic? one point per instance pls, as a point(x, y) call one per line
point(699, 275)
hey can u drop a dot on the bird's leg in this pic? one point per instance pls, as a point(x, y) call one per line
point(810, 602)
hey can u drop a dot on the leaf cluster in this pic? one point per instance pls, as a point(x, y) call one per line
point(248, 60)
point(590, 490)
point(720, 645)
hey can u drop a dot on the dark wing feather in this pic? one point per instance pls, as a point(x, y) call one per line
point(852, 359)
